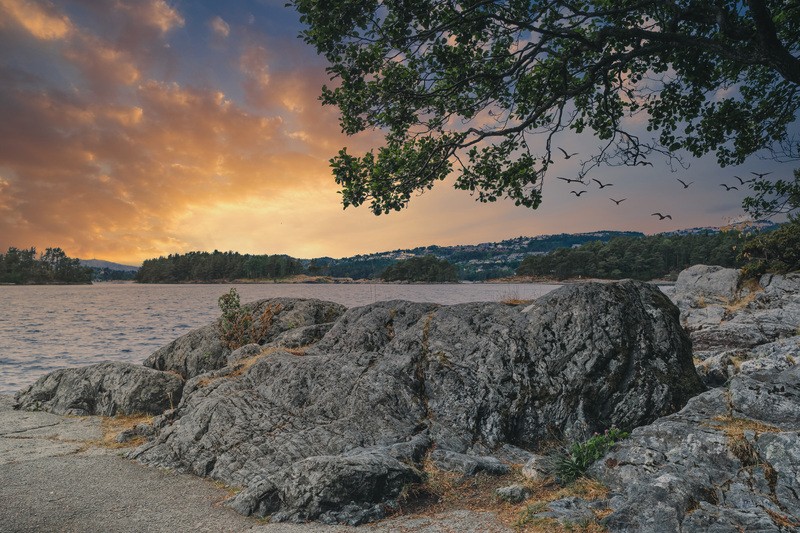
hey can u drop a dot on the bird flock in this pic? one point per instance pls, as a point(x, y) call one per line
point(661, 216)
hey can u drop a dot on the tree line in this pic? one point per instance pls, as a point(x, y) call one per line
point(216, 266)
point(427, 269)
point(644, 258)
point(23, 266)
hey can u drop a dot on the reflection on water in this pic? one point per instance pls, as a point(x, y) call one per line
point(43, 328)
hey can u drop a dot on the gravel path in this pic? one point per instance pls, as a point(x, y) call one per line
point(53, 477)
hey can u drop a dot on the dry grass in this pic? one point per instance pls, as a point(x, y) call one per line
point(735, 427)
point(243, 365)
point(112, 426)
point(515, 301)
point(754, 288)
point(783, 521)
point(446, 491)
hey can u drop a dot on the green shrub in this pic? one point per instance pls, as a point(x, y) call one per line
point(238, 326)
point(573, 462)
point(777, 251)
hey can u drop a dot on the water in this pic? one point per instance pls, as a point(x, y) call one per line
point(44, 328)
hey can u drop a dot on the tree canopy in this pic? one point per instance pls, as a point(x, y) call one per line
point(487, 88)
point(22, 266)
point(427, 268)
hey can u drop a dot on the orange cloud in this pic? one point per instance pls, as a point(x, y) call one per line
point(41, 19)
point(156, 14)
point(220, 27)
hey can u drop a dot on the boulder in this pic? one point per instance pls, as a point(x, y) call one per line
point(335, 434)
point(728, 461)
point(721, 313)
point(513, 493)
point(703, 284)
point(292, 321)
point(103, 389)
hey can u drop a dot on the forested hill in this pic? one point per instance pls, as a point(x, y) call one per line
point(474, 261)
point(602, 254)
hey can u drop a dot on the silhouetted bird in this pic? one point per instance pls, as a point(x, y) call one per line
point(644, 163)
point(761, 174)
point(617, 201)
point(742, 182)
point(729, 187)
point(660, 216)
point(570, 180)
point(566, 155)
point(577, 193)
point(685, 185)
point(603, 185)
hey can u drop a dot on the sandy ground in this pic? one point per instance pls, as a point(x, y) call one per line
point(56, 477)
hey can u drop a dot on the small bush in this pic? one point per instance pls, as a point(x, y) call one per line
point(572, 463)
point(238, 326)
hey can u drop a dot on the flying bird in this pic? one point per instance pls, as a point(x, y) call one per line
point(566, 155)
point(660, 216)
point(742, 182)
point(602, 185)
point(576, 193)
point(685, 185)
point(761, 174)
point(617, 201)
point(644, 163)
point(729, 187)
point(570, 180)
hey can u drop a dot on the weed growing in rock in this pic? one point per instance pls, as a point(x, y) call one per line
point(238, 326)
point(572, 463)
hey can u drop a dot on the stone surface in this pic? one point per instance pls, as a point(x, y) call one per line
point(720, 315)
point(536, 468)
point(201, 350)
point(728, 461)
point(334, 435)
point(703, 284)
point(27, 436)
point(103, 389)
point(248, 350)
point(53, 477)
point(782, 354)
point(513, 493)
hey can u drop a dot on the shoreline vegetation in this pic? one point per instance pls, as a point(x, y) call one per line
point(655, 258)
point(644, 258)
point(51, 267)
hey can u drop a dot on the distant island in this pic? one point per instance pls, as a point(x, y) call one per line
point(52, 267)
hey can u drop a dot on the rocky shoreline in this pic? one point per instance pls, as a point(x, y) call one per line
point(334, 413)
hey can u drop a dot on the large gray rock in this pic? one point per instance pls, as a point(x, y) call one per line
point(782, 354)
point(704, 284)
point(103, 389)
point(721, 313)
point(294, 322)
point(729, 461)
point(335, 434)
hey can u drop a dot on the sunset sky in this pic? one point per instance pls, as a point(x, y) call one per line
point(132, 129)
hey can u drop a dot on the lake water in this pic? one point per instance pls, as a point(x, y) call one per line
point(44, 328)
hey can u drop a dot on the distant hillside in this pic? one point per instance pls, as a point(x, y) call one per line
point(475, 261)
point(99, 263)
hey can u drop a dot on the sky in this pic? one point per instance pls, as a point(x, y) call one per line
point(134, 129)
